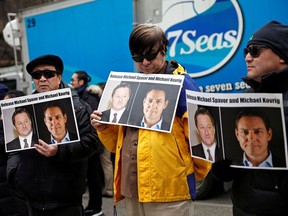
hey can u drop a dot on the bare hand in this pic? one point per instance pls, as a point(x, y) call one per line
point(46, 149)
point(96, 115)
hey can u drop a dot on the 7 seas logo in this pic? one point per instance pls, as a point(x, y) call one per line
point(203, 34)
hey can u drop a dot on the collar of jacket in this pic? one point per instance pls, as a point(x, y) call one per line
point(82, 89)
point(173, 67)
point(274, 82)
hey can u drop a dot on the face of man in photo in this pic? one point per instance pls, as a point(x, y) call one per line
point(206, 129)
point(253, 137)
point(55, 122)
point(120, 98)
point(153, 105)
point(23, 124)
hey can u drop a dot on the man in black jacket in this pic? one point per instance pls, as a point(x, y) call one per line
point(52, 178)
point(91, 94)
point(254, 191)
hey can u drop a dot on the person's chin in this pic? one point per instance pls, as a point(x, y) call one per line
point(43, 89)
point(147, 70)
point(252, 75)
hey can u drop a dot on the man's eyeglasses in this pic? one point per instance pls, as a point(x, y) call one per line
point(253, 50)
point(46, 73)
point(149, 57)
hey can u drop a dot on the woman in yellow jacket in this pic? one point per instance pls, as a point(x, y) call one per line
point(154, 171)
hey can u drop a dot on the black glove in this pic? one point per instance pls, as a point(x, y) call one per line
point(222, 171)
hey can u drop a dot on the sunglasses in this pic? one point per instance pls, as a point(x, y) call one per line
point(46, 73)
point(253, 50)
point(149, 57)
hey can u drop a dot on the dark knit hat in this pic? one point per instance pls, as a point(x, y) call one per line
point(275, 36)
point(46, 59)
point(3, 90)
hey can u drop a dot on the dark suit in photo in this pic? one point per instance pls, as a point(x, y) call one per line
point(165, 125)
point(137, 122)
point(277, 162)
point(123, 119)
point(72, 136)
point(15, 144)
point(198, 150)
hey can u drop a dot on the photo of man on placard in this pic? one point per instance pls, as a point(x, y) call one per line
point(251, 139)
point(118, 112)
point(23, 124)
point(56, 121)
point(154, 103)
point(204, 132)
point(209, 147)
point(140, 103)
point(153, 106)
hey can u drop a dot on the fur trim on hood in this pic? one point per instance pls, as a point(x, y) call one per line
point(95, 89)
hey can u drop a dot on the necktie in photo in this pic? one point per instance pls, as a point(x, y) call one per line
point(209, 155)
point(115, 118)
point(25, 143)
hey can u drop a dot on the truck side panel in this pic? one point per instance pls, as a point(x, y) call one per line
point(92, 36)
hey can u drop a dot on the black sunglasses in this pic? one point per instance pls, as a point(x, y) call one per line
point(46, 73)
point(149, 57)
point(253, 50)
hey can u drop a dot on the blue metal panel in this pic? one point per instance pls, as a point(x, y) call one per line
point(91, 36)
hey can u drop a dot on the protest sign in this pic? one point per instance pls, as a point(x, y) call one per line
point(39, 116)
point(249, 128)
point(146, 101)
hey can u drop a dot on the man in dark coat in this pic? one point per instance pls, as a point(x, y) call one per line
point(52, 178)
point(91, 95)
point(254, 191)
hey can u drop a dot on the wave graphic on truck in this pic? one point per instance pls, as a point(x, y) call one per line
point(203, 35)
